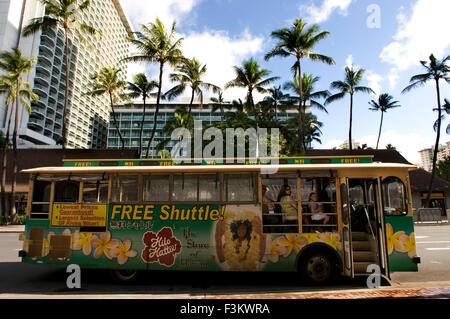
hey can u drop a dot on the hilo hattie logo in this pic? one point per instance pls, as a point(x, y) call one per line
point(161, 247)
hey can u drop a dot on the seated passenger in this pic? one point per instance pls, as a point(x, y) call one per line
point(288, 205)
point(317, 210)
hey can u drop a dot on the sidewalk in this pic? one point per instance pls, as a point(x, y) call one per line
point(12, 229)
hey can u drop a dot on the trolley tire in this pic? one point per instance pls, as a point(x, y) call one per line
point(317, 267)
point(124, 276)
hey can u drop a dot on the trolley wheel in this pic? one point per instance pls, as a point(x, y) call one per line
point(124, 276)
point(317, 268)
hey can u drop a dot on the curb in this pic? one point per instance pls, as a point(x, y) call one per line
point(12, 229)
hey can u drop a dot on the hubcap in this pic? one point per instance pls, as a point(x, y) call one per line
point(318, 268)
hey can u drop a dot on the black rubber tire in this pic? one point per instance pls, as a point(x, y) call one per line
point(124, 276)
point(317, 268)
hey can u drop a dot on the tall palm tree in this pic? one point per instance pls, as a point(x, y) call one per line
point(309, 96)
point(349, 86)
point(64, 14)
point(435, 70)
point(8, 86)
point(156, 44)
point(15, 64)
point(385, 102)
point(190, 73)
point(141, 87)
point(108, 81)
point(251, 77)
point(299, 41)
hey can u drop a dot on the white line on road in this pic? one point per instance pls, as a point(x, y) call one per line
point(433, 242)
point(448, 248)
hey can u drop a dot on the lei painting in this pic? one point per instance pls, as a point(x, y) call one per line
point(240, 245)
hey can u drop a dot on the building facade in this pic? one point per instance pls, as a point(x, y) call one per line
point(426, 156)
point(88, 117)
point(130, 118)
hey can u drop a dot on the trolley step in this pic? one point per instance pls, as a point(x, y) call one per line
point(361, 267)
point(364, 256)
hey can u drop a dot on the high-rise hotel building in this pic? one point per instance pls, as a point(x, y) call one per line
point(88, 117)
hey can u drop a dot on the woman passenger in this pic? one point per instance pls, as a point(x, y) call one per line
point(288, 205)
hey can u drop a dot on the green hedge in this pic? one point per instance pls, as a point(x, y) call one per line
point(7, 220)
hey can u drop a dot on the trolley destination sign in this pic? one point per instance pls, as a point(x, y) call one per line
point(211, 162)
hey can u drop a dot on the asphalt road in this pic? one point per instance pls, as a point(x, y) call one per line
point(433, 246)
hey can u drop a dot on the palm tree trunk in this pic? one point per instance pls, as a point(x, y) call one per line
point(381, 125)
point(14, 173)
point(276, 111)
point(190, 108)
point(301, 119)
point(350, 144)
point(142, 127)
point(436, 146)
point(4, 162)
point(158, 98)
point(115, 120)
point(66, 100)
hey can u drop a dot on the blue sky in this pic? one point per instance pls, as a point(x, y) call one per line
point(223, 33)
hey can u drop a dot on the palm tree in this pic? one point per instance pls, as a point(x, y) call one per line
point(8, 87)
point(435, 70)
point(384, 104)
point(108, 81)
point(299, 41)
point(190, 73)
point(141, 87)
point(219, 104)
point(181, 119)
point(276, 99)
point(308, 95)
point(16, 65)
point(251, 77)
point(349, 86)
point(64, 14)
point(155, 44)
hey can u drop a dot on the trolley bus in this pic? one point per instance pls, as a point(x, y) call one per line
point(319, 217)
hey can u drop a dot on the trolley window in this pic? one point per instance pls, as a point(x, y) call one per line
point(394, 197)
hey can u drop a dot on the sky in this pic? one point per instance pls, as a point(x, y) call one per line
point(388, 39)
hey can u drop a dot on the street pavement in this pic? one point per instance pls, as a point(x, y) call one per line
point(428, 284)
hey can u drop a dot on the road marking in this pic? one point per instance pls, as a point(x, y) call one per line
point(421, 237)
point(434, 242)
point(448, 248)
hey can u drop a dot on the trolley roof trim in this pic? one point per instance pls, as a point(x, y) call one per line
point(213, 168)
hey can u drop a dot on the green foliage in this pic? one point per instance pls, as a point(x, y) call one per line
point(443, 169)
point(6, 220)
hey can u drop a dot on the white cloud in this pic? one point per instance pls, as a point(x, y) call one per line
point(374, 80)
point(220, 53)
point(322, 13)
point(349, 60)
point(217, 49)
point(416, 40)
point(393, 78)
point(142, 12)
